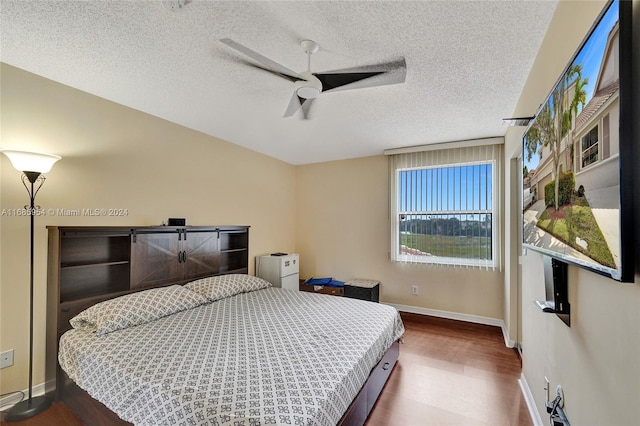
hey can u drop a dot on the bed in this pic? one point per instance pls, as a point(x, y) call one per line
point(268, 356)
point(225, 349)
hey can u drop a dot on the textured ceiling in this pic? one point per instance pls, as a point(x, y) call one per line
point(467, 62)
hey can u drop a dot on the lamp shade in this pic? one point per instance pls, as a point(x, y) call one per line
point(25, 161)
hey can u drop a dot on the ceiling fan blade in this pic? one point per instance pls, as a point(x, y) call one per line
point(394, 72)
point(306, 107)
point(286, 77)
point(332, 81)
point(270, 64)
point(294, 104)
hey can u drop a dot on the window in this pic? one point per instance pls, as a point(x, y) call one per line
point(589, 144)
point(444, 207)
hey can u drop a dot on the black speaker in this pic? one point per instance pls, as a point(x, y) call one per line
point(177, 221)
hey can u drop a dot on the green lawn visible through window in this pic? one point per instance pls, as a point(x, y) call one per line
point(449, 246)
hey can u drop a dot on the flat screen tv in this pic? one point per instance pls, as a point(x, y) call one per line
point(577, 155)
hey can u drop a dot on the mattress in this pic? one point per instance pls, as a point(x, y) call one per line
point(271, 356)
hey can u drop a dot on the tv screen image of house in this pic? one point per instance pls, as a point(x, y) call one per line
point(571, 157)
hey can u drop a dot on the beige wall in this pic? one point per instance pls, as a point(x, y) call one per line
point(116, 157)
point(343, 231)
point(596, 360)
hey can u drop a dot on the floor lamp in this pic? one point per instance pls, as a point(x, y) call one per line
point(32, 165)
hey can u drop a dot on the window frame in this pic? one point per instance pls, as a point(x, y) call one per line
point(596, 144)
point(442, 260)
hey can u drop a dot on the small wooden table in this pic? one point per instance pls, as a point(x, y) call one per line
point(321, 289)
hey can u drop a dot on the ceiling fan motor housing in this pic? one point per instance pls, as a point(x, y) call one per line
point(310, 87)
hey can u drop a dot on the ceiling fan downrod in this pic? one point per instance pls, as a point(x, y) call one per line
point(311, 87)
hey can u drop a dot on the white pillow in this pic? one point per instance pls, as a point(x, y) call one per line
point(136, 308)
point(221, 286)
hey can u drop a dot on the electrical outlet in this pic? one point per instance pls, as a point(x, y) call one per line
point(6, 358)
point(414, 290)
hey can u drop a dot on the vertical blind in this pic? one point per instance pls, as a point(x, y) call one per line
point(445, 206)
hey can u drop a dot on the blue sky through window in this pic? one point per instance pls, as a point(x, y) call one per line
point(446, 189)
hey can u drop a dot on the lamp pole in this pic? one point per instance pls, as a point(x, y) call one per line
point(33, 177)
point(31, 406)
point(32, 165)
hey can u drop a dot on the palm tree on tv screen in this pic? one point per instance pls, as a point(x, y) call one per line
point(554, 122)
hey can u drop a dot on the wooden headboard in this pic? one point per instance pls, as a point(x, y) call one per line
point(87, 265)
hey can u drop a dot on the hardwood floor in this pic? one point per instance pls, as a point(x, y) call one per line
point(454, 373)
point(56, 415)
point(449, 372)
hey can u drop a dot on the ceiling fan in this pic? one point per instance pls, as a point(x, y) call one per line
point(309, 85)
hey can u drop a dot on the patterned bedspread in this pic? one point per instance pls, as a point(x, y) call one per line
point(270, 356)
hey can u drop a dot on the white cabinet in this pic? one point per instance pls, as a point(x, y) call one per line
point(280, 270)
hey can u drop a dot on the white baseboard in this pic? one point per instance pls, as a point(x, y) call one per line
point(12, 399)
point(531, 404)
point(477, 319)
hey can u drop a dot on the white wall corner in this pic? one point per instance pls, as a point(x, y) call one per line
point(510, 343)
point(531, 404)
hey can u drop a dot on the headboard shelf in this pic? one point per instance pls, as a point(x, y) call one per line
point(234, 271)
point(233, 240)
point(90, 265)
point(91, 249)
point(91, 300)
point(87, 265)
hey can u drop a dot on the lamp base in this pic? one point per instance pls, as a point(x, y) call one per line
point(27, 408)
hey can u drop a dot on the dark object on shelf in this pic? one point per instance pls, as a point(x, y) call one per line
point(177, 221)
